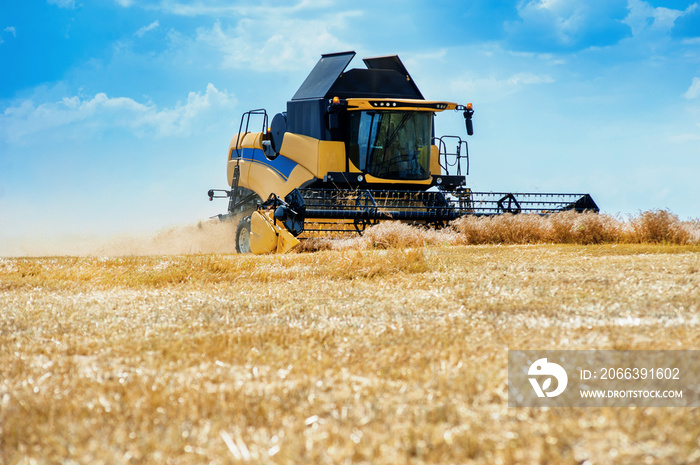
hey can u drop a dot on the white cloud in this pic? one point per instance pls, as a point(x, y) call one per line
point(683, 138)
point(274, 43)
point(529, 78)
point(272, 35)
point(200, 9)
point(9, 30)
point(269, 36)
point(141, 32)
point(219, 8)
point(691, 41)
point(500, 87)
point(693, 91)
point(564, 16)
point(102, 112)
point(645, 19)
point(566, 24)
point(70, 4)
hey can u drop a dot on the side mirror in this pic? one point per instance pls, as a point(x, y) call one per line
point(332, 122)
point(335, 106)
point(468, 113)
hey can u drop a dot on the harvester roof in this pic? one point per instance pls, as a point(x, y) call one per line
point(385, 77)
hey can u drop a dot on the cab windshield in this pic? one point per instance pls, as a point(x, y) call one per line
point(391, 144)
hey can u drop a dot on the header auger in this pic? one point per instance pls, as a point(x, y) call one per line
point(355, 148)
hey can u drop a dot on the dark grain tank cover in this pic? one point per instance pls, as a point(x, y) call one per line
point(385, 77)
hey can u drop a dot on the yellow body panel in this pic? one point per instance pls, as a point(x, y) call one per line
point(435, 169)
point(301, 149)
point(267, 236)
point(317, 156)
point(420, 182)
point(262, 176)
point(262, 235)
point(331, 157)
point(352, 168)
point(399, 104)
point(265, 181)
point(251, 140)
point(299, 176)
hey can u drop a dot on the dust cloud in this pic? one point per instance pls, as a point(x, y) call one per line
point(212, 236)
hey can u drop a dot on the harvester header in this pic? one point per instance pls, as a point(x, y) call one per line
point(353, 148)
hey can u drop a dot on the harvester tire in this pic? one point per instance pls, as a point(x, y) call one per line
point(243, 236)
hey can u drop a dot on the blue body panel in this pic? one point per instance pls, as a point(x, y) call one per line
point(281, 165)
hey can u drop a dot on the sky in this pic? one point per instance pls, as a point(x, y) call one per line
point(116, 115)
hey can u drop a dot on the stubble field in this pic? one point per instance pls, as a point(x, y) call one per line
point(373, 355)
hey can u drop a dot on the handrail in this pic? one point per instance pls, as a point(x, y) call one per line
point(246, 117)
point(450, 160)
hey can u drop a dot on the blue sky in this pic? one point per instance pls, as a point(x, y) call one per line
point(115, 115)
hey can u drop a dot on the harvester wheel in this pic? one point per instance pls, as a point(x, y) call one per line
point(243, 236)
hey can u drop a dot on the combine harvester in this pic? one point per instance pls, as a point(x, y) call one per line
point(355, 148)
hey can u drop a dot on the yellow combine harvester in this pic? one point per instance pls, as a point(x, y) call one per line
point(355, 148)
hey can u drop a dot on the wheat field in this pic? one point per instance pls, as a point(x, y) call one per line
point(372, 351)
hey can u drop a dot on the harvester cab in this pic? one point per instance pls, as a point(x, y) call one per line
point(356, 147)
